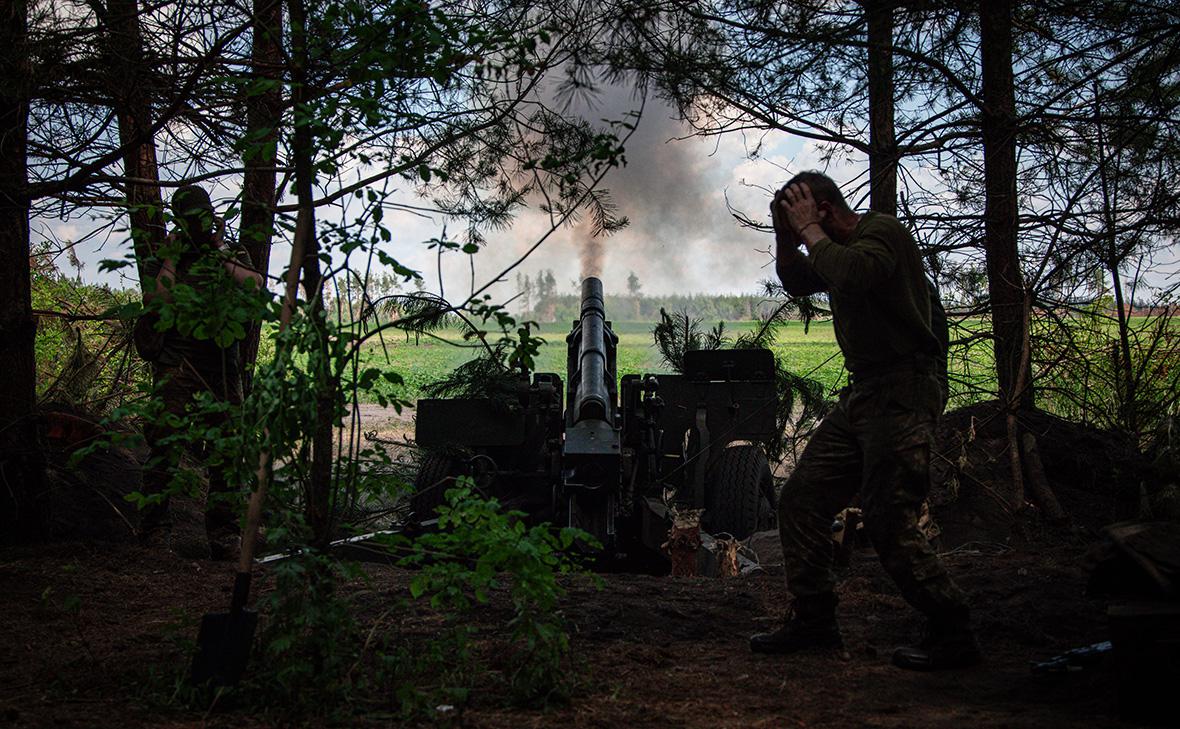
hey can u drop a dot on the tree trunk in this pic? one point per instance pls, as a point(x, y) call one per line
point(133, 111)
point(319, 496)
point(1125, 369)
point(262, 133)
point(22, 465)
point(882, 141)
point(1005, 280)
point(1038, 482)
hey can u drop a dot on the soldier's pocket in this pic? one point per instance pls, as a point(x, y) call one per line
point(909, 398)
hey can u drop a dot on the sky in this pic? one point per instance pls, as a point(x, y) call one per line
point(681, 237)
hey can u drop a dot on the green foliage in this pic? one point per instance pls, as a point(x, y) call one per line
point(206, 303)
point(416, 313)
point(801, 398)
point(310, 642)
point(479, 549)
point(83, 346)
point(229, 438)
point(428, 679)
point(430, 95)
point(496, 372)
point(677, 335)
point(315, 659)
point(482, 377)
point(1087, 378)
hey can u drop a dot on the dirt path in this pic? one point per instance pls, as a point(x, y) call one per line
point(94, 637)
point(387, 422)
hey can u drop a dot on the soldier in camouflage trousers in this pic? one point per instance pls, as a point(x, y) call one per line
point(876, 442)
point(176, 387)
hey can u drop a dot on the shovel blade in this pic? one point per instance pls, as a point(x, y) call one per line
point(223, 647)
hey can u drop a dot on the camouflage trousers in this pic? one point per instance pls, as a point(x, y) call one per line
point(176, 387)
point(875, 443)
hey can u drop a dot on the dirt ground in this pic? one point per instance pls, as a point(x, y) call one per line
point(97, 633)
point(92, 637)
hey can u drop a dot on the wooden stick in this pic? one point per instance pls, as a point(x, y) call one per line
point(258, 498)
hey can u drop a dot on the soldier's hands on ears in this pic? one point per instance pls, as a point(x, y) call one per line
point(218, 232)
point(799, 208)
point(783, 235)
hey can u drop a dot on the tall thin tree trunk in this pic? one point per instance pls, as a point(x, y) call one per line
point(262, 134)
point(882, 140)
point(1005, 280)
point(319, 497)
point(22, 465)
point(1125, 369)
point(133, 112)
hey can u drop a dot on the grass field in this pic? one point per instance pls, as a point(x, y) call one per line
point(1077, 383)
point(813, 353)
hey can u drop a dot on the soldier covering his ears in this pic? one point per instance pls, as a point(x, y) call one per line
point(876, 441)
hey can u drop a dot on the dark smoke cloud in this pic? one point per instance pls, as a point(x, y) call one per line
point(665, 190)
point(590, 248)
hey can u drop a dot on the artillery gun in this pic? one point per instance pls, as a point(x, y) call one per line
point(620, 455)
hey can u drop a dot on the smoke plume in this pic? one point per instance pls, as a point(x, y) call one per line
point(675, 206)
point(590, 249)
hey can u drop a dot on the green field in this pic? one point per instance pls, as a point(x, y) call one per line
point(812, 354)
point(1073, 365)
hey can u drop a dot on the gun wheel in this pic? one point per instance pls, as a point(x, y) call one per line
point(737, 503)
point(436, 474)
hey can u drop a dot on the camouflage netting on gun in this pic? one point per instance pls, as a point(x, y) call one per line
point(801, 399)
point(485, 377)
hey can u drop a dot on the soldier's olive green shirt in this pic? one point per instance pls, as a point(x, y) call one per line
point(877, 289)
point(203, 355)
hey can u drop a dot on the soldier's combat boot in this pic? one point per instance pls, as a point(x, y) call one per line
point(224, 547)
point(223, 531)
point(811, 624)
point(947, 644)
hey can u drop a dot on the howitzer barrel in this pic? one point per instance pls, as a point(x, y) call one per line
point(593, 398)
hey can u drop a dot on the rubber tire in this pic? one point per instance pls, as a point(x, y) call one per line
point(737, 504)
point(429, 489)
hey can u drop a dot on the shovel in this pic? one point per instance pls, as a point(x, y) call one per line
point(224, 639)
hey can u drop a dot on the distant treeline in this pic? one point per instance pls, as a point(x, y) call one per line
point(539, 300)
point(710, 307)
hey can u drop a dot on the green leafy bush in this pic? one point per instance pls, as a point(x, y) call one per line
point(478, 549)
point(311, 643)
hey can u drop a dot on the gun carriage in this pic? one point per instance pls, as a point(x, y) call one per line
point(613, 457)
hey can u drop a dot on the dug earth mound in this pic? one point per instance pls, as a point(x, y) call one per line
point(1098, 477)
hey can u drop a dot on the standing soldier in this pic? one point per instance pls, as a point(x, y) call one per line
point(187, 361)
point(876, 441)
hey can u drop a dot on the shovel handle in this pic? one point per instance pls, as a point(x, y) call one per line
point(254, 514)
